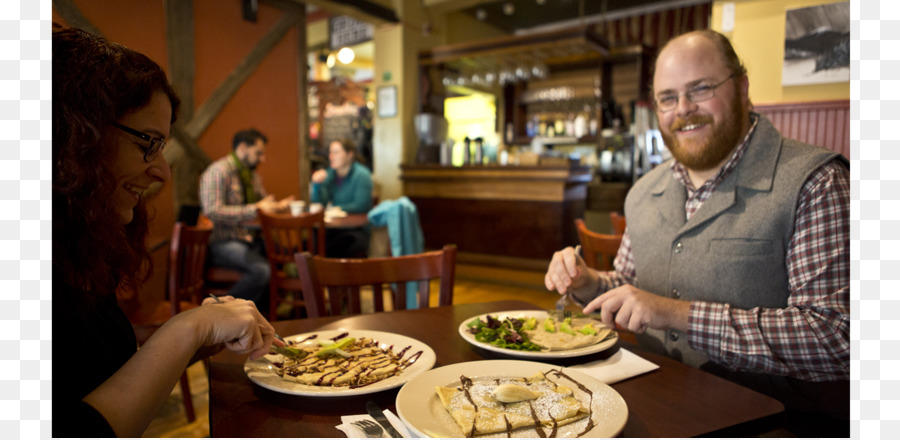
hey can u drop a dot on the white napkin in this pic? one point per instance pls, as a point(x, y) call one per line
point(620, 366)
point(354, 432)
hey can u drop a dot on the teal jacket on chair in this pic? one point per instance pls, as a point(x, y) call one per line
point(404, 231)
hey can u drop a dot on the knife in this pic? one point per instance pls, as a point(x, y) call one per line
point(576, 314)
point(379, 417)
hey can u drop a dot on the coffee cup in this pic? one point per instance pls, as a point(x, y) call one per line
point(297, 207)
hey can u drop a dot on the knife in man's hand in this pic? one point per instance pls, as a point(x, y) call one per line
point(379, 417)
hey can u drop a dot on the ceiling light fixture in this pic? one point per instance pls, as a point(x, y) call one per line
point(509, 8)
point(480, 14)
point(330, 61)
point(346, 55)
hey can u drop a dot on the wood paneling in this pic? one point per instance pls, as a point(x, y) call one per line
point(503, 228)
point(508, 216)
point(822, 123)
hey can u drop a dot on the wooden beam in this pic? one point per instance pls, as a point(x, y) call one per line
point(208, 110)
point(292, 6)
point(73, 16)
point(303, 106)
point(190, 146)
point(367, 11)
point(180, 48)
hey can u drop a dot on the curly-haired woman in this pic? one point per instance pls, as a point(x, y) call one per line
point(112, 113)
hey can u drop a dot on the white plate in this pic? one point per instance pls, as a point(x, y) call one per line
point(539, 314)
point(420, 408)
point(262, 372)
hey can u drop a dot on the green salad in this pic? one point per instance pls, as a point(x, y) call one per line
point(505, 333)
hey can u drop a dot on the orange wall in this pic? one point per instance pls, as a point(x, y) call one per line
point(267, 101)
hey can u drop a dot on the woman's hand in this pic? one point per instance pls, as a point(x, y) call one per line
point(568, 273)
point(234, 323)
point(319, 175)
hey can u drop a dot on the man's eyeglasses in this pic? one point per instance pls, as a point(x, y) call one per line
point(156, 144)
point(699, 93)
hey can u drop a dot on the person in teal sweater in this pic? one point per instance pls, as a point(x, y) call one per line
point(346, 184)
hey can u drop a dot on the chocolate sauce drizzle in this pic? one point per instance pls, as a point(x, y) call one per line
point(380, 358)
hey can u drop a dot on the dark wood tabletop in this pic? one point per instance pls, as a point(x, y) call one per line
point(673, 401)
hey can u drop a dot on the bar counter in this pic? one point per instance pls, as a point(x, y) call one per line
point(511, 216)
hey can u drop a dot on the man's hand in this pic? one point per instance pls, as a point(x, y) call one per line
point(267, 204)
point(636, 310)
point(568, 273)
point(284, 204)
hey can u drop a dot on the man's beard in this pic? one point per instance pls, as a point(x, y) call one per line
point(724, 139)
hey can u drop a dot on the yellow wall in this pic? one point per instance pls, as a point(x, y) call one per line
point(758, 38)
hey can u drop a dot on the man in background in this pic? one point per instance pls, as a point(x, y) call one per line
point(230, 194)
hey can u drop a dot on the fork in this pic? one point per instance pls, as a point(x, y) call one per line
point(561, 312)
point(372, 429)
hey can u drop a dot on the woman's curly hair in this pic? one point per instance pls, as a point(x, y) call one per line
point(95, 83)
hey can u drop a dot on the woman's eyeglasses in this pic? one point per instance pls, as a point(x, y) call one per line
point(699, 93)
point(151, 151)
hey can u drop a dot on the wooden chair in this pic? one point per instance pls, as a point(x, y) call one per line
point(284, 236)
point(618, 223)
point(343, 279)
point(218, 279)
point(185, 286)
point(599, 250)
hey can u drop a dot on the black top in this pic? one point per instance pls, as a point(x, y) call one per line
point(92, 339)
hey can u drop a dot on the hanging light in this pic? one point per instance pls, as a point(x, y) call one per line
point(346, 55)
point(509, 8)
point(330, 61)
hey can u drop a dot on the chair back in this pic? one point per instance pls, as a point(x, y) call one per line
point(344, 278)
point(285, 235)
point(618, 223)
point(218, 279)
point(187, 265)
point(599, 250)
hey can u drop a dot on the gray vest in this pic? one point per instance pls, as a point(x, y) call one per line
point(733, 249)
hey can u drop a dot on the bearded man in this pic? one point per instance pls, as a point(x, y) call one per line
point(230, 194)
point(736, 257)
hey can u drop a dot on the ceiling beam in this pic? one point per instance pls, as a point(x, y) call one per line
point(441, 7)
point(363, 10)
point(73, 16)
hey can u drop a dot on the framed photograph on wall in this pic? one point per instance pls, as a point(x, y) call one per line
point(387, 101)
point(817, 45)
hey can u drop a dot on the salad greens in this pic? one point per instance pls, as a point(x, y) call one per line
point(506, 333)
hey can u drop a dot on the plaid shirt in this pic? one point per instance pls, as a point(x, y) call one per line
point(222, 200)
point(810, 339)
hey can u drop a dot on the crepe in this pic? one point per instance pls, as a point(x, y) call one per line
point(559, 339)
point(476, 410)
point(365, 363)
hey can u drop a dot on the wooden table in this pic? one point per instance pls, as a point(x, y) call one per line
point(348, 221)
point(673, 401)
